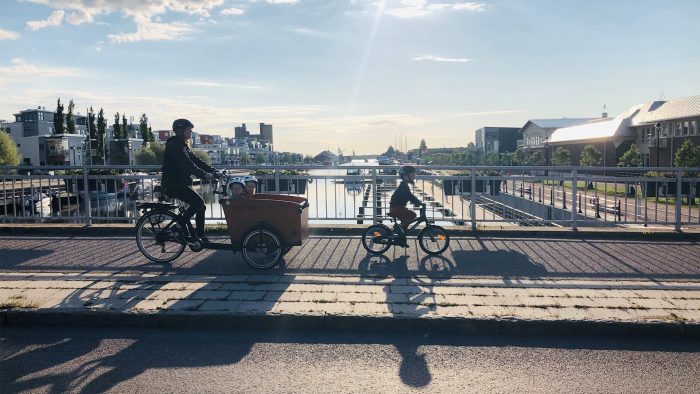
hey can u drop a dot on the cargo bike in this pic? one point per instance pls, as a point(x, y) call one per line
point(263, 228)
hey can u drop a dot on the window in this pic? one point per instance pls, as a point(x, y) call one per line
point(679, 129)
point(41, 116)
point(694, 129)
point(686, 128)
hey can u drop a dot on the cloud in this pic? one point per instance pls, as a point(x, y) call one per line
point(232, 12)
point(153, 31)
point(54, 19)
point(20, 70)
point(419, 8)
point(482, 113)
point(144, 13)
point(211, 84)
point(434, 58)
point(309, 32)
point(8, 35)
point(282, 1)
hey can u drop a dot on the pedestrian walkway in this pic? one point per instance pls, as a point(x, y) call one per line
point(352, 295)
point(548, 280)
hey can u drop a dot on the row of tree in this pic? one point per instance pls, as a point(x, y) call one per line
point(97, 127)
point(688, 155)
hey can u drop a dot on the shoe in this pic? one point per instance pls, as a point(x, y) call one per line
point(402, 242)
point(204, 240)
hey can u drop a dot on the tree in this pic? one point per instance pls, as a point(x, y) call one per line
point(117, 132)
point(508, 159)
point(125, 127)
point(58, 118)
point(151, 154)
point(9, 156)
point(390, 152)
point(101, 133)
point(422, 149)
point(441, 159)
point(561, 157)
point(688, 155)
point(143, 128)
point(536, 159)
point(590, 156)
point(259, 158)
point(202, 155)
point(70, 122)
point(521, 157)
point(151, 137)
point(92, 135)
point(492, 159)
point(631, 158)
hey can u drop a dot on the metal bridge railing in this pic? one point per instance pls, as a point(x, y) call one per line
point(461, 196)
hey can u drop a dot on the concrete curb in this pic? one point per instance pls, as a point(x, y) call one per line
point(121, 230)
point(459, 326)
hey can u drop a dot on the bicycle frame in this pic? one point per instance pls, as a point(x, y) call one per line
point(414, 223)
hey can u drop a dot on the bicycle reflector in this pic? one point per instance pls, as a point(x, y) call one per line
point(377, 234)
point(441, 237)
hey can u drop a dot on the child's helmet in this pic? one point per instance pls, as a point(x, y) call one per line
point(237, 180)
point(405, 170)
point(250, 178)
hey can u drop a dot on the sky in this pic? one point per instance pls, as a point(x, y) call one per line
point(348, 74)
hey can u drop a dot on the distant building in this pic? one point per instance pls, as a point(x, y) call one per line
point(241, 132)
point(537, 131)
point(30, 131)
point(266, 132)
point(679, 120)
point(497, 139)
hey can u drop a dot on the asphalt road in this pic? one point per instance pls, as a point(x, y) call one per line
point(93, 360)
point(481, 256)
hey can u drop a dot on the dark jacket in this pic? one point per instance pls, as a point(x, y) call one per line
point(179, 163)
point(402, 196)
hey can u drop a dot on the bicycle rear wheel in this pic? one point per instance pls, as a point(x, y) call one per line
point(433, 239)
point(376, 239)
point(156, 243)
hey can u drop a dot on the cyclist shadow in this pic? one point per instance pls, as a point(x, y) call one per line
point(404, 297)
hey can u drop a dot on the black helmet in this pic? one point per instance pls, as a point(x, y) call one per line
point(405, 170)
point(180, 125)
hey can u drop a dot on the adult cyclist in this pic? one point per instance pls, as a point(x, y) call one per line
point(179, 164)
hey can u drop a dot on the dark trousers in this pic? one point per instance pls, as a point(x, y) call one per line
point(196, 205)
point(404, 214)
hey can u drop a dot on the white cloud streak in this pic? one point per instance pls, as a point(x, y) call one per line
point(420, 8)
point(20, 70)
point(282, 1)
point(55, 19)
point(8, 35)
point(231, 12)
point(433, 58)
point(486, 113)
point(144, 13)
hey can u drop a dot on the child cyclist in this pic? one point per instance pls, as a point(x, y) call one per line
point(401, 197)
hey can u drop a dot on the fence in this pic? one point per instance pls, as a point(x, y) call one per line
point(461, 196)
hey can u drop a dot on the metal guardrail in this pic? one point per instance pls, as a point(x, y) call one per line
point(513, 196)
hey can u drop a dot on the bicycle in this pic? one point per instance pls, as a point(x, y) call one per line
point(432, 239)
point(162, 234)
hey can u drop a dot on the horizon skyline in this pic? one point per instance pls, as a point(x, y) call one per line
point(351, 74)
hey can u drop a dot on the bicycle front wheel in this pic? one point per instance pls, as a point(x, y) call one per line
point(157, 243)
point(433, 239)
point(376, 239)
